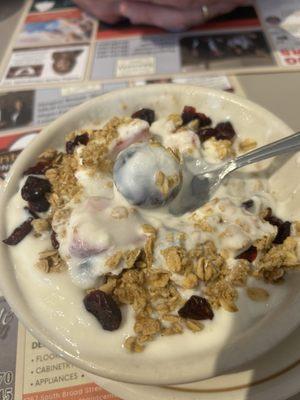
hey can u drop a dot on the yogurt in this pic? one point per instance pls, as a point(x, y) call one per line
point(101, 223)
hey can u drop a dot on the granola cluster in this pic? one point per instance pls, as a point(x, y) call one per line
point(170, 285)
point(156, 296)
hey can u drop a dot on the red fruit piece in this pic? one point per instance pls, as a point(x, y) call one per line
point(80, 139)
point(38, 169)
point(189, 114)
point(203, 119)
point(19, 233)
point(283, 228)
point(249, 254)
point(40, 205)
point(104, 308)
point(81, 248)
point(142, 136)
point(145, 114)
point(54, 241)
point(269, 217)
point(225, 131)
point(196, 308)
point(35, 188)
point(206, 133)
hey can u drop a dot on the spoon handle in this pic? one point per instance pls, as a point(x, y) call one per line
point(285, 145)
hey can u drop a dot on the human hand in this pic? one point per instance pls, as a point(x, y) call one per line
point(174, 15)
point(105, 10)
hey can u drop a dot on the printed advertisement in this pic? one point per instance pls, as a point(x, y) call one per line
point(49, 5)
point(16, 109)
point(224, 50)
point(282, 22)
point(59, 64)
point(11, 146)
point(8, 350)
point(64, 27)
point(93, 51)
point(223, 44)
point(29, 371)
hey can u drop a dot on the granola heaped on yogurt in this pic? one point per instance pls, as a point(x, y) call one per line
point(172, 271)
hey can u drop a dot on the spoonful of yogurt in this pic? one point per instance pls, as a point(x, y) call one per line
point(150, 176)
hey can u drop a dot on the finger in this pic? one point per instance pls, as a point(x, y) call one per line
point(107, 11)
point(170, 18)
point(184, 4)
point(163, 17)
point(193, 3)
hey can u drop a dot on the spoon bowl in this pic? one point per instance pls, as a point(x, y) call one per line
point(205, 184)
point(142, 188)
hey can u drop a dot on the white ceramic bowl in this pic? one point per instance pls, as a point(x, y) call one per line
point(259, 334)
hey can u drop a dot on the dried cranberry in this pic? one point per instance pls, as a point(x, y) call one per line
point(249, 254)
point(104, 308)
point(19, 233)
point(269, 217)
point(283, 228)
point(31, 212)
point(196, 308)
point(80, 139)
point(40, 205)
point(225, 131)
point(206, 133)
point(35, 188)
point(203, 119)
point(54, 241)
point(38, 169)
point(248, 204)
point(189, 114)
point(145, 114)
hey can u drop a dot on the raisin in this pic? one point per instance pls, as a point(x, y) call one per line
point(206, 133)
point(269, 217)
point(248, 204)
point(196, 307)
point(80, 139)
point(249, 254)
point(189, 114)
point(104, 308)
point(225, 131)
point(38, 169)
point(284, 228)
point(35, 188)
point(203, 119)
point(19, 233)
point(145, 114)
point(31, 212)
point(54, 241)
point(40, 205)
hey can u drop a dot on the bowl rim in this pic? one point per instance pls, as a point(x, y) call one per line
point(21, 310)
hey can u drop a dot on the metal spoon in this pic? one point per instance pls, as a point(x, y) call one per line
point(202, 186)
point(136, 167)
